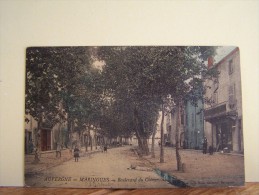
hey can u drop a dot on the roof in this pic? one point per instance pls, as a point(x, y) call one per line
point(224, 56)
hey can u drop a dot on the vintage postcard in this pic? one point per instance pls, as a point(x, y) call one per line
point(133, 117)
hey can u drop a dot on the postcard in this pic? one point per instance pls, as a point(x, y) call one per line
point(133, 117)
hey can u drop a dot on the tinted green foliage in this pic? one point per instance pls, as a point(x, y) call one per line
point(59, 76)
point(124, 97)
point(142, 78)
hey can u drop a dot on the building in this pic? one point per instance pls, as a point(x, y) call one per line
point(171, 126)
point(194, 125)
point(30, 128)
point(223, 116)
point(191, 126)
point(47, 134)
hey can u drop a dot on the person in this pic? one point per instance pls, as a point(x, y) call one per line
point(31, 147)
point(76, 154)
point(211, 150)
point(205, 142)
point(105, 148)
point(58, 151)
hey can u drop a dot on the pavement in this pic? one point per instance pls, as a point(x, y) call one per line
point(201, 170)
point(48, 160)
point(117, 168)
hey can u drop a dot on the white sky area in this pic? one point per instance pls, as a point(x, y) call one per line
point(98, 64)
point(222, 52)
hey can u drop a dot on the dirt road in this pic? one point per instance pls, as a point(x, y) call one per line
point(118, 168)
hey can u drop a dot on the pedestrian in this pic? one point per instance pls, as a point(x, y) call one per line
point(211, 150)
point(58, 151)
point(31, 146)
point(76, 154)
point(105, 148)
point(205, 142)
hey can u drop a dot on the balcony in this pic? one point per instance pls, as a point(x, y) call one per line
point(218, 111)
point(215, 111)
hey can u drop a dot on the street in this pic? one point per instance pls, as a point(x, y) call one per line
point(122, 168)
point(118, 168)
point(202, 170)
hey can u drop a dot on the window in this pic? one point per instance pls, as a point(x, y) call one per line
point(215, 93)
point(192, 120)
point(215, 84)
point(232, 96)
point(215, 98)
point(230, 67)
point(187, 118)
point(182, 119)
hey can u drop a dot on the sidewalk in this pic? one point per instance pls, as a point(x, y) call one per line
point(201, 170)
point(48, 159)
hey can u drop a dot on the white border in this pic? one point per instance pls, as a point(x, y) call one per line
point(69, 23)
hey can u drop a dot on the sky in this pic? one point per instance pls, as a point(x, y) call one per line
point(222, 52)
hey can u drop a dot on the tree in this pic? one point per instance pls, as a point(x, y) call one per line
point(153, 141)
point(124, 97)
point(124, 84)
point(150, 74)
point(53, 75)
point(40, 85)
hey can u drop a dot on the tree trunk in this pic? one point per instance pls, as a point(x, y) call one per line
point(162, 137)
point(91, 142)
point(96, 142)
point(86, 143)
point(37, 143)
point(142, 144)
point(178, 156)
point(153, 143)
point(142, 140)
point(69, 130)
point(59, 140)
point(145, 144)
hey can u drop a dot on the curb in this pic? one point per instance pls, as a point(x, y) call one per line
point(171, 179)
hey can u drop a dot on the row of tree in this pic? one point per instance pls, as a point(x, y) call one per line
point(123, 96)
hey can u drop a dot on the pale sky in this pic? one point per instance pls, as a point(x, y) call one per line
point(222, 52)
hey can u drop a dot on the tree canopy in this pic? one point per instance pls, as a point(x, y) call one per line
point(124, 96)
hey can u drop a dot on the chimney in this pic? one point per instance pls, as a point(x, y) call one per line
point(210, 62)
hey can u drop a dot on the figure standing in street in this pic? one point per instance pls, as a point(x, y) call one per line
point(205, 142)
point(31, 146)
point(76, 154)
point(211, 150)
point(58, 151)
point(105, 148)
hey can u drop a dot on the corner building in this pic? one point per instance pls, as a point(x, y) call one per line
point(223, 116)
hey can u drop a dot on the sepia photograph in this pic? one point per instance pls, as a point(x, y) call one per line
point(133, 117)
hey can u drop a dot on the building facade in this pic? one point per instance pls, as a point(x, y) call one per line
point(172, 123)
point(47, 135)
point(194, 125)
point(191, 126)
point(223, 116)
point(30, 128)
